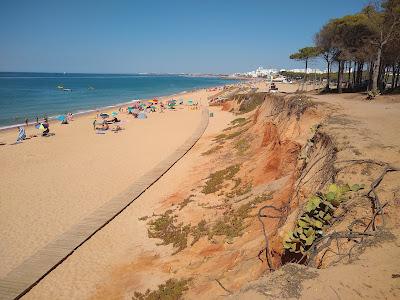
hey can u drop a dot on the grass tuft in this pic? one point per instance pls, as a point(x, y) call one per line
point(242, 146)
point(166, 229)
point(172, 289)
point(212, 150)
point(215, 180)
point(185, 202)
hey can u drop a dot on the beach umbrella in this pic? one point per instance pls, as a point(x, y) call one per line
point(42, 126)
point(60, 118)
point(114, 113)
point(104, 115)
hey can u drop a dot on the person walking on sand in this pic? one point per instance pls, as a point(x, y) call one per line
point(94, 124)
point(26, 121)
point(37, 120)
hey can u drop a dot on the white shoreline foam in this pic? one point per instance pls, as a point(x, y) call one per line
point(82, 112)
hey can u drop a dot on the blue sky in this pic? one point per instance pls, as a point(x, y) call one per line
point(159, 36)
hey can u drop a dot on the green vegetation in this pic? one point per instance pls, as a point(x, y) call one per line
point(251, 102)
point(317, 214)
point(216, 179)
point(240, 191)
point(185, 202)
point(242, 146)
point(223, 137)
point(306, 54)
point(172, 289)
point(212, 150)
point(366, 45)
point(199, 231)
point(166, 229)
point(238, 121)
point(232, 223)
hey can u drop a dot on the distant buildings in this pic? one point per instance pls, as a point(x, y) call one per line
point(259, 72)
point(309, 71)
point(271, 74)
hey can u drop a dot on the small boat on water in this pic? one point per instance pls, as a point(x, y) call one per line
point(67, 90)
point(60, 87)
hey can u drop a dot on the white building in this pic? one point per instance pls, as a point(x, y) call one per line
point(274, 73)
point(259, 72)
point(309, 71)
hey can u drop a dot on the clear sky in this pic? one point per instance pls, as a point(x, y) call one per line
point(122, 36)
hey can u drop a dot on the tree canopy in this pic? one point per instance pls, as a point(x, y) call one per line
point(367, 42)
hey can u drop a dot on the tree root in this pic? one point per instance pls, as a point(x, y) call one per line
point(377, 210)
point(224, 288)
point(260, 215)
point(325, 241)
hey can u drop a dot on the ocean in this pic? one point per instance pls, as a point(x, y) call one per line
point(31, 95)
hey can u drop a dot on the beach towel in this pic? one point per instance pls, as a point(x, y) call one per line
point(142, 115)
point(21, 134)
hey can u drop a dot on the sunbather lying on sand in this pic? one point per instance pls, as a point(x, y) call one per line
point(113, 120)
point(116, 128)
point(102, 126)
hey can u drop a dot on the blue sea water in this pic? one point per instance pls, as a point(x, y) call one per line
point(27, 95)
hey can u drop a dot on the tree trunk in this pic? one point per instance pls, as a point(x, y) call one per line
point(340, 76)
point(382, 76)
point(328, 76)
point(393, 76)
point(305, 75)
point(398, 75)
point(354, 74)
point(349, 81)
point(357, 79)
point(375, 71)
point(360, 73)
point(370, 71)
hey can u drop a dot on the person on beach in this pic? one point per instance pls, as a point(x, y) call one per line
point(37, 120)
point(26, 121)
point(102, 126)
point(94, 124)
point(46, 130)
point(21, 134)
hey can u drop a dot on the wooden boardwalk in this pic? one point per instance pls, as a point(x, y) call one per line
point(24, 277)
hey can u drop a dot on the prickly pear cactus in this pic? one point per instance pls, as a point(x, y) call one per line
point(318, 213)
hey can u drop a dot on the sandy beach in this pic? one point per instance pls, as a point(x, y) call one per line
point(49, 183)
